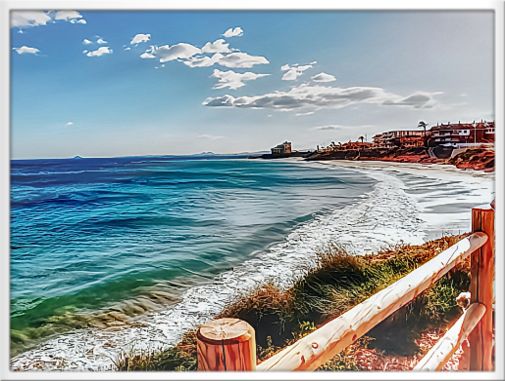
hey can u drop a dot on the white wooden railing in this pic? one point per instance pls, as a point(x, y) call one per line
point(229, 344)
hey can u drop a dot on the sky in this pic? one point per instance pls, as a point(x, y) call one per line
point(132, 83)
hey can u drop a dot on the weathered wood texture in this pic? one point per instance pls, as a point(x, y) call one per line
point(323, 344)
point(226, 344)
point(436, 358)
point(481, 288)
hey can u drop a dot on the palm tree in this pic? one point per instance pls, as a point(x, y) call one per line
point(361, 138)
point(423, 125)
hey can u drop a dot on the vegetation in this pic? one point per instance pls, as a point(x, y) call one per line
point(338, 283)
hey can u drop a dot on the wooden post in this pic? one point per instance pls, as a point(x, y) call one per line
point(226, 344)
point(481, 288)
point(326, 342)
point(442, 351)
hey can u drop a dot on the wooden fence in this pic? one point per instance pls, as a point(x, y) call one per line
point(229, 344)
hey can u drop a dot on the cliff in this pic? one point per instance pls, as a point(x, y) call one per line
point(480, 158)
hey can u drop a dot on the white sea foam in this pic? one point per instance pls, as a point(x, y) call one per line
point(406, 204)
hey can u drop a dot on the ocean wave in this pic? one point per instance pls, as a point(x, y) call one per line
point(384, 216)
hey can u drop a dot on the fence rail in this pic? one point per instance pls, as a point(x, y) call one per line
point(220, 351)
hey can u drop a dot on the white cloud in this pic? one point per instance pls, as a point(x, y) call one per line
point(26, 50)
point(195, 57)
point(210, 137)
point(232, 79)
point(232, 60)
point(23, 19)
point(86, 42)
point(304, 113)
point(101, 41)
point(294, 71)
point(84, 51)
point(150, 53)
point(417, 100)
point(317, 96)
point(323, 77)
point(100, 52)
point(127, 48)
point(72, 16)
point(147, 55)
point(70, 123)
point(218, 46)
point(326, 128)
point(233, 32)
point(140, 38)
point(67, 15)
point(178, 51)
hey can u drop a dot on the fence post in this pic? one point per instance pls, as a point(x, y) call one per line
point(226, 344)
point(481, 288)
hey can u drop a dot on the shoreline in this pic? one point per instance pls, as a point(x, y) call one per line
point(477, 158)
point(171, 320)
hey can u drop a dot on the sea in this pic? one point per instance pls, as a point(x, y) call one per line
point(122, 255)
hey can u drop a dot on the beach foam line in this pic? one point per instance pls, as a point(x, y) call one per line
point(384, 216)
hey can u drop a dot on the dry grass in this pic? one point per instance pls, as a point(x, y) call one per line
point(340, 282)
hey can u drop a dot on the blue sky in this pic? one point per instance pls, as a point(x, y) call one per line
point(127, 83)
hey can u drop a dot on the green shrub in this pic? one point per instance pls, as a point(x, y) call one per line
point(338, 283)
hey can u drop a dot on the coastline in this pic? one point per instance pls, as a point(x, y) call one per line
point(477, 158)
point(164, 328)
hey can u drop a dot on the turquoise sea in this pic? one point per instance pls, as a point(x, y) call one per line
point(90, 235)
point(126, 254)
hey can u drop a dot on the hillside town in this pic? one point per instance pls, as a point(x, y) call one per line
point(465, 145)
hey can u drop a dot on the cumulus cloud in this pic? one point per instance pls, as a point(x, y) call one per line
point(232, 32)
point(232, 79)
point(86, 42)
point(178, 51)
point(417, 100)
point(67, 16)
point(100, 52)
point(140, 38)
point(24, 19)
point(147, 56)
point(101, 41)
point(294, 71)
point(317, 96)
point(26, 50)
point(128, 48)
point(232, 60)
point(217, 52)
point(70, 123)
point(149, 53)
point(323, 77)
point(218, 46)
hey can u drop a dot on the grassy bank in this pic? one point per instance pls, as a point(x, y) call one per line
point(338, 283)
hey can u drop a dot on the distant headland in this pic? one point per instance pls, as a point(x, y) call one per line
point(465, 145)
